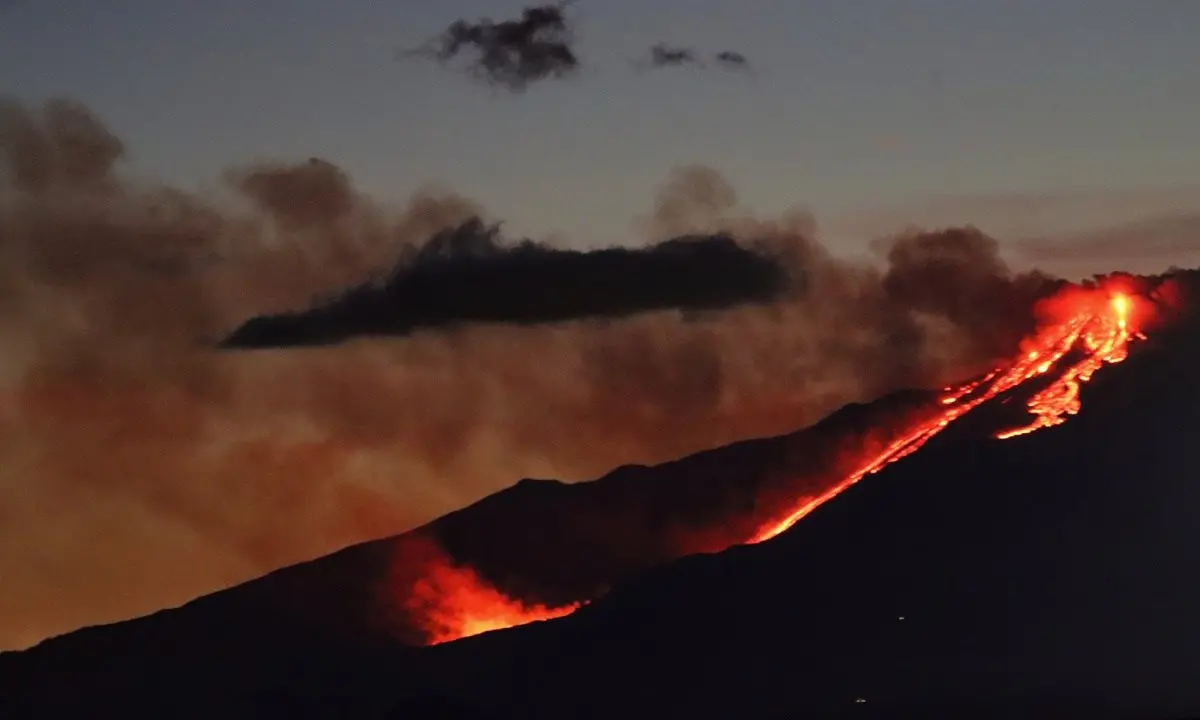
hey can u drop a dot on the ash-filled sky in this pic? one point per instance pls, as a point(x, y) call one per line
point(142, 468)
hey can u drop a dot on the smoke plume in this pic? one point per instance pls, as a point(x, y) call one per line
point(731, 59)
point(511, 54)
point(468, 273)
point(143, 467)
point(662, 55)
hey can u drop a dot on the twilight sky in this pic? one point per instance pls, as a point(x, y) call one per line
point(857, 107)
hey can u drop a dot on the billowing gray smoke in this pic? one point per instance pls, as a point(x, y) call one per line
point(143, 467)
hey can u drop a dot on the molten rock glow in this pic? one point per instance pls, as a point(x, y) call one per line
point(1097, 320)
point(455, 602)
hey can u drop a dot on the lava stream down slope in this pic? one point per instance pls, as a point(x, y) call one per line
point(1082, 329)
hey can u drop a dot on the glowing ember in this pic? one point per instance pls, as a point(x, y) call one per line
point(1093, 320)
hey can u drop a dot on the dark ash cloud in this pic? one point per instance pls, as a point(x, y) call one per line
point(512, 54)
point(663, 55)
point(470, 274)
point(731, 59)
point(539, 46)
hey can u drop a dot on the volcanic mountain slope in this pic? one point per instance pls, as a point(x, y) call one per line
point(1048, 575)
point(337, 622)
point(998, 555)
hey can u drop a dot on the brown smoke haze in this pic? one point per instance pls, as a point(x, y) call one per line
point(143, 467)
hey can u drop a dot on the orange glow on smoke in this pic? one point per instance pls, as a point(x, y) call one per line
point(454, 602)
point(1094, 322)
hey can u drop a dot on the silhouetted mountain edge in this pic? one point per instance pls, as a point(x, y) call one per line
point(1048, 572)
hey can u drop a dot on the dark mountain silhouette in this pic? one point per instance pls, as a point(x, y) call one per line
point(1044, 576)
point(330, 618)
point(470, 274)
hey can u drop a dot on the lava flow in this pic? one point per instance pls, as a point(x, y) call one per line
point(452, 601)
point(455, 602)
point(1095, 319)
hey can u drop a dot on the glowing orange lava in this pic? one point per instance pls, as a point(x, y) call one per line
point(454, 602)
point(1095, 322)
point(488, 609)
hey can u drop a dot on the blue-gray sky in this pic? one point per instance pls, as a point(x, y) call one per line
point(858, 105)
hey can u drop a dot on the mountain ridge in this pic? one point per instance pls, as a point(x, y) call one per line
point(876, 613)
point(656, 486)
point(878, 619)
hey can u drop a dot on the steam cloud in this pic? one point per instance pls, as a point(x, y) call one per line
point(143, 467)
point(513, 53)
point(468, 274)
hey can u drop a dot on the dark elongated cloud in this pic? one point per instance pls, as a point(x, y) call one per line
point(662, 55)
point(732, 59)
point(511, 54)
point(469, 274)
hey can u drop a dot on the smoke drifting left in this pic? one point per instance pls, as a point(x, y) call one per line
point(512, 53)
point(540, 46)
point(143, 467)
point(467, 273)
point(663, 55)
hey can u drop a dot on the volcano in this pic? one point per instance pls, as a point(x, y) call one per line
point(1043, 572)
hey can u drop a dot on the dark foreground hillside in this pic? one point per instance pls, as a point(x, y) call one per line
point(1049, 573)
point(334, 626)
